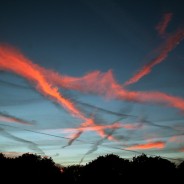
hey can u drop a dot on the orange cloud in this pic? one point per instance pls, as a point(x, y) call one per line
point(169, 45)
point(13, 61)
point(48, 81)
point(105, 84)
point(94, 127)
point(150, 145)
point(176, 139)
point(100, 129)
point(94, 82)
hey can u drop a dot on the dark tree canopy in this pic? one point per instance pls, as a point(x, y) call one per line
point(106, 169)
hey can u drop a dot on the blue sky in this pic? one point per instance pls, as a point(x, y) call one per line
point(75, 38)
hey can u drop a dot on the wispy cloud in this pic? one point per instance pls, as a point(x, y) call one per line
point(95, 82)
point(95, 146)
point(105, 84)
point(72, 138)
point(47, 82)
point(100, 129)
point(33, 146)
point(4, 117)
point(168, 46)
point(15, 62)
point(163, 24)
point(176, 139)
point(149, 145)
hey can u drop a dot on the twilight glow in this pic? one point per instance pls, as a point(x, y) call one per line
point(83, 79)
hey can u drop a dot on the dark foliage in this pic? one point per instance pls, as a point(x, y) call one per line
point(105, 169)
point(28, 167)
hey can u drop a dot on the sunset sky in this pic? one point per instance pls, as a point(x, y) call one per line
point(83, 78)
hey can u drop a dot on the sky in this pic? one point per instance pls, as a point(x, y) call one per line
point(84, 78)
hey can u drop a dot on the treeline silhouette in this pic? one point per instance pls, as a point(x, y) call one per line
point(105, 169)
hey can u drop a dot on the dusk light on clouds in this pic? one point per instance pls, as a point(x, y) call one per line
point(80, 79)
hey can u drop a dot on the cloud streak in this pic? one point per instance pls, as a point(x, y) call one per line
point(95, 146)
point(105, 84)
point(163, 24)
point(147, 146)
point(86, 105)
point(95, 82)
point(72, 138)
point(168, 46)
point(176, 139)
point(104, 110)
point(47, 82)
point(100, 129)
point(33, 146)
point(13, 61)
point(12, 119)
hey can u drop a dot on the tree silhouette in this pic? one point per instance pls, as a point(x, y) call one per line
point(181, 166)
point(2, 164)
point(180, 171)
point(104, 169)
point(156, 169)
point(72, 174)
point(32, 167)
